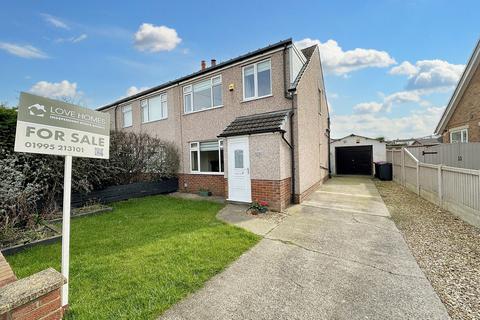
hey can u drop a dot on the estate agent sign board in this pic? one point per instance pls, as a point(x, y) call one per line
point(54, 127)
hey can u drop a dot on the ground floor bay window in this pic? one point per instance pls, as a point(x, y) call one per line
point(206, 157)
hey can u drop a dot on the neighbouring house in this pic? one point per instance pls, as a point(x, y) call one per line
point(399, 143)
point(356, 154)
point(253, 128)
point(460, 121)
point(426, 141)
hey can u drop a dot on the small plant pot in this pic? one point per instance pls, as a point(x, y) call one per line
point(263, 210)
point(204, 193)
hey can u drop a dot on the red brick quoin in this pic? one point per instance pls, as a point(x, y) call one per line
point(276, 192)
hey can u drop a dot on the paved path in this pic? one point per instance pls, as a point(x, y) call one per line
point(337, 256)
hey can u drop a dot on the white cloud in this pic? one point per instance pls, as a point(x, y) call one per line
point(156, 38)
point(73, 39)
point(405, 68)
point(390, 100)
point(431, 75)
point(134, 90)
point(332, 95)
point(401, 97)
point(337, 61)
point(24, 51)
point(367, 107)
point(62, 89)
point(415, 124)
point(54, 21)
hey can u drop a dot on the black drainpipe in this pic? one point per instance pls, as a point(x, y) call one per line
point(289, 94)
point(292, 146)
point(115, 116)
point(329, 158)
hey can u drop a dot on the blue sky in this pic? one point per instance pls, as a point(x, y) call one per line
point(390, 65)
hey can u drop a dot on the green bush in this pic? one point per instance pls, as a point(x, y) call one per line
point(31, 183)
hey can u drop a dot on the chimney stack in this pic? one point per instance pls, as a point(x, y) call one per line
point(213, 63)
point(203, 65)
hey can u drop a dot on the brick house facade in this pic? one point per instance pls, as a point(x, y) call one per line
point(461, 120)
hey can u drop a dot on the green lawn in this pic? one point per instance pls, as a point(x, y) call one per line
point(141, 258)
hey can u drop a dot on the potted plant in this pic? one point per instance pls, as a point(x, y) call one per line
point(204, 192)
point(258, 207)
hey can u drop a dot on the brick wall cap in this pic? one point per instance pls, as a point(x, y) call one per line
point(28, 289)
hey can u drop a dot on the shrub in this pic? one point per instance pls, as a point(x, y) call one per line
point(31, 183)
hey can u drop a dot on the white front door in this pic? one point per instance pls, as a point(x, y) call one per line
point(239, 185)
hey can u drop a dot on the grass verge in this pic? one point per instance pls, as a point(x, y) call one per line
point(141, 258)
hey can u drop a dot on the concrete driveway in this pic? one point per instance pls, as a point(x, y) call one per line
point(337, 256)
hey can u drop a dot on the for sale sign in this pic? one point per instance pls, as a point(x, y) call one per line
point(54, 127)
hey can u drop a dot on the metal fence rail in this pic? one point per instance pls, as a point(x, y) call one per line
point(454, 189)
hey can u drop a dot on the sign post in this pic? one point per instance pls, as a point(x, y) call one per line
point(67, 191)
point(54, 127)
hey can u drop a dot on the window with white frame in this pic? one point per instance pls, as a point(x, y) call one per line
point(257, 80)
point(459, 136)
point(127, 116)
point(206, 157)
point(154, 108)
point(206, 94)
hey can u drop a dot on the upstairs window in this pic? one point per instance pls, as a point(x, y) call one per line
point(206, 157)
point(459, 136)
point(154, 108)
point(203, 95)
point(127, 116)
point(257, 80)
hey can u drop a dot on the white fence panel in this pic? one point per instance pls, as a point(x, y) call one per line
point(454, 189)
point(458, 155)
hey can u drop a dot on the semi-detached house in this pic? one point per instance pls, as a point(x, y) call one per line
point(253, 128)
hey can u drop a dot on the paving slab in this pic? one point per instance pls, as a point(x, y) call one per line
point(337, 256)
point(236, 214)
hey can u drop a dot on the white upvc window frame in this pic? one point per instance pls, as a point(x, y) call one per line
point(463, 134)
point(127, 109)
point(255, 80)
point(195, 147)
point(188, 91)
point(164, 111)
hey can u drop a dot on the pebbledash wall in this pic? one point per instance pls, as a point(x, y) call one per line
point(311, 130)
point(31, 298)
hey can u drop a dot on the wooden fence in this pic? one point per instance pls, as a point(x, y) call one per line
point(454, 189)
point(458, 155)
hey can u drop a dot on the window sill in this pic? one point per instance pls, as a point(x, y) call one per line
point(147, 122)
point(126, 127)
point(209, 173)
point(208, 109)
point(256, 98)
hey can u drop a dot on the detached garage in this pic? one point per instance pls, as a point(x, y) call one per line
point(355, 155)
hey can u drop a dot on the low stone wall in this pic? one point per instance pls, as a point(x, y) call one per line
point(31, 298)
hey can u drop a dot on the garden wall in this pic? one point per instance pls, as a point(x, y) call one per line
point(31, 298)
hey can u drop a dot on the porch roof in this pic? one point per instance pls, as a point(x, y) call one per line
point(256, 123)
